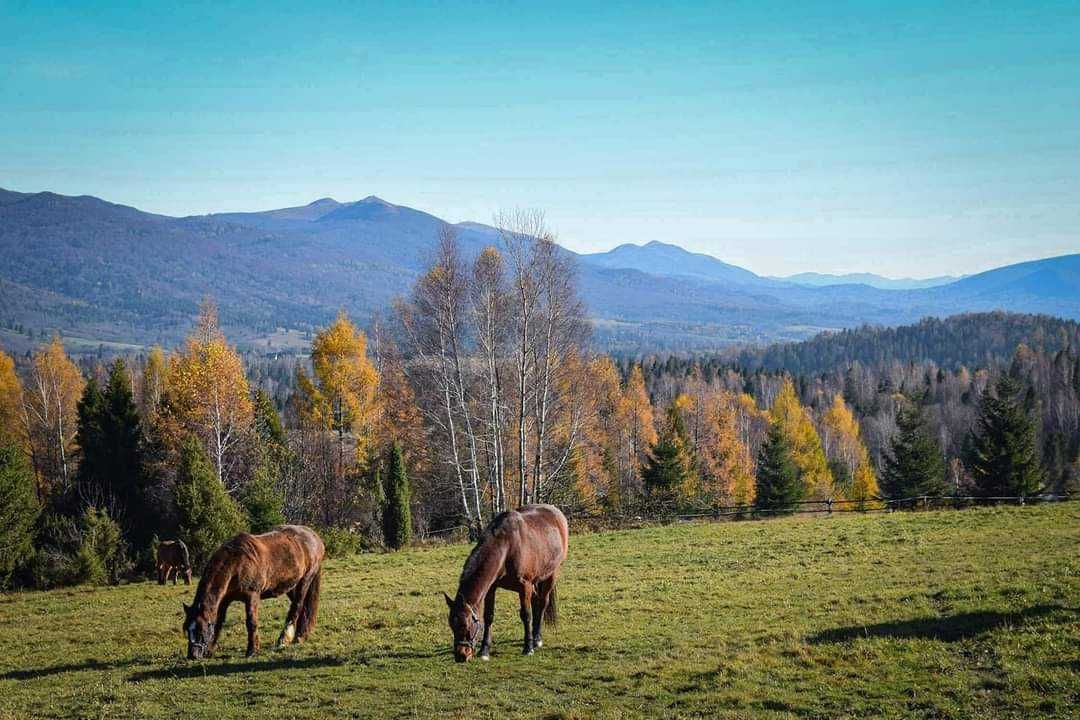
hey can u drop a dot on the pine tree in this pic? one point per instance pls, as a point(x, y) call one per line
point(915, 465)
point(18, 511)
point(779, 486)
point(111, 474)
point(1003, 459)
point(206, 515)
point(397, 516)
point(263, 501)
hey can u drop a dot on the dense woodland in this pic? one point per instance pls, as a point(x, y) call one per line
point(479, 392)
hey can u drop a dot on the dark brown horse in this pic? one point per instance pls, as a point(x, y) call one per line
point(172, 559)
point(522, 551)
point(248, 568)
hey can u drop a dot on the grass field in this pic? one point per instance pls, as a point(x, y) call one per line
point(962, 614)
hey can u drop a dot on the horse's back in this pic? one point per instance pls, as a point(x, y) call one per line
point(301, 535)
point(540, 536)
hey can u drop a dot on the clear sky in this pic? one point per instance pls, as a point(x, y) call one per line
point(904, 138)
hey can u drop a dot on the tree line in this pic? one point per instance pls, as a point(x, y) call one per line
point(479, 394)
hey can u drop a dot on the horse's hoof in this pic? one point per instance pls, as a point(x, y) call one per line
point(485, 658)
point(539, 643)
point(528, 651)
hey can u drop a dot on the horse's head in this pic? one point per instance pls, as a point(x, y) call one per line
point(467, 627)
point(199, 630)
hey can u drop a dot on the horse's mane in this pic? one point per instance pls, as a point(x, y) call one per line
point(225, 560)
point(485, 545)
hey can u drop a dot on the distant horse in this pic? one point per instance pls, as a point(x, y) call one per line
point(247, 568)
point(522, 551)
point(172, 558)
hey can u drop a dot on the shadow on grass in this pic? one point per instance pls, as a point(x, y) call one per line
point(950, 628)
point(197, 669)
point(86, 665)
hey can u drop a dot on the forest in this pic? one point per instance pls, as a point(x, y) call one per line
point(479, 392)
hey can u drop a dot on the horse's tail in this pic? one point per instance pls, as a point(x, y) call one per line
point(551, 612)
point(309, 607)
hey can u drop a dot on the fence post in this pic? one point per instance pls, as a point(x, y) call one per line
point(828, 503)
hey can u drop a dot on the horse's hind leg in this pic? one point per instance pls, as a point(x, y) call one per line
point(525, 595)
point(489, 618)
point(540, 601)
point(296, 597)
point(160, 574)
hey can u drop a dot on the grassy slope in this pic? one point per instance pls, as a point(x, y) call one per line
point(951, 614)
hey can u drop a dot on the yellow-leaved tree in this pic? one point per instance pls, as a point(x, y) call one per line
point(342, 397)
point(50, 416)
point(11, 398)
point(594, 462)
point(727, 466)
point(806, 448)
point(639, 433)
point(209, 397)
point(842, 440)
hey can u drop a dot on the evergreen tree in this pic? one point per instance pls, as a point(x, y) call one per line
point(779, 486)
point(267, 421)
point(111, 473)
point(263, 501)
point(665, 468)
point(1004, 459)
point(397, 517)
point(915, 466)
point(206, 515)
point(18, 511)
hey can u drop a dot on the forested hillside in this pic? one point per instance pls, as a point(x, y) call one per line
point(975, 340)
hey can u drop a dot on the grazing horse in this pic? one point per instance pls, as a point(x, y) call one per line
point(522, 551)
point(247, 568)
point(172, 556)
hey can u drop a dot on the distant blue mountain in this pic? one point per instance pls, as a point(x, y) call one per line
point(111, 272)
point(659, 258)
point(812, 279)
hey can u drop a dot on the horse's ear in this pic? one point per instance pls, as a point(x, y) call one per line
point(449, 602)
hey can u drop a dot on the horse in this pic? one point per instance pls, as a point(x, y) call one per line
point(172, 556)
point(248, 568)
point(521, 551)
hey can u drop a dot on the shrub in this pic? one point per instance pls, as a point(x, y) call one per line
point(263, 501)
point(341, 542)
point(397, 520)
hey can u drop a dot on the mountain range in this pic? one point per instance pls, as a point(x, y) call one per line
point(105, 272)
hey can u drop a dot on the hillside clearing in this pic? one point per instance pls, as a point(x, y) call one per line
point(943, 614)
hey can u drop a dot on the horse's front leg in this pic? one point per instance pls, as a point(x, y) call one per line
point(251, 605)
point(540, 597)
point(489, 618)
point(525, 596)
point(219, 625)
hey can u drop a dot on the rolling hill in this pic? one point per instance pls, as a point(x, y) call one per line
point(112, 273)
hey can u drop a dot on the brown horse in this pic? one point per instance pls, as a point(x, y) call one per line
point(247, 568)
point(172, 558)
point(522, 551)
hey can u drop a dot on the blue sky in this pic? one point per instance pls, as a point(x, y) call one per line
point(899, 138)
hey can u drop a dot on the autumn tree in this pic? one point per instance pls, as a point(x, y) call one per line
point(49, 414)
point(727, 469)
point(842, 440)
point(806, 448)
point(639, 433)
point(208, 393)
point(11, 399)
point(341, 398)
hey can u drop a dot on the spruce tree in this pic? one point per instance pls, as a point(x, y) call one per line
point(665, 468)
point(111, 473)
point(1004, 459)
point(206, 515)
point(779, 486)
point(263, 501)
point(915, 465)
point(397, 517)
point(19, 511)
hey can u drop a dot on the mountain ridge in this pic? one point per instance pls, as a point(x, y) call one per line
point(115, 273)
